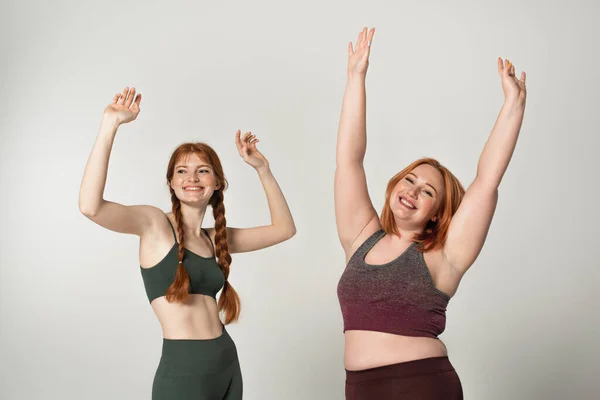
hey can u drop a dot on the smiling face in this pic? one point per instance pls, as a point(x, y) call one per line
point(194, 180)
point(416, 198)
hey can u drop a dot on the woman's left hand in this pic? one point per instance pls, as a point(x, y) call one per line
point(247, 148)
point(514, 89)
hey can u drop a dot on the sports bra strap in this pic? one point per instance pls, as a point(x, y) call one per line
point(209, 239)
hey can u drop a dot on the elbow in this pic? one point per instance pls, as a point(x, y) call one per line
point(290, 232)
point(88, 209)
point(89, 212)
point(488, 181)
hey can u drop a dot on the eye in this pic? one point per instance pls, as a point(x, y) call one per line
point(427, 192)
point(181, 171)
point(410, 180)
point(204, 171)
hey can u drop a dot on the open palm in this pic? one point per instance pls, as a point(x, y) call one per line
point(358, 57)
point(514, 89)
point(246, 146)
point(125, 107)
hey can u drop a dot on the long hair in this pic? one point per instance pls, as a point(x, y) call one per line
point(435, 233)
point(229, 301)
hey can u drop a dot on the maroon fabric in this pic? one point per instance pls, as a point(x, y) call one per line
point(426, 379)
point(398, 297)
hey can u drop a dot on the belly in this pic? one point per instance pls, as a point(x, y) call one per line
point(368, 349)
point(196, 319)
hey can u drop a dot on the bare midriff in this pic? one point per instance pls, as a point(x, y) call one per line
point(370, 349)
point(196, 319)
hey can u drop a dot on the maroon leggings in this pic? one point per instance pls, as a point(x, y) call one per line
point(426, 379)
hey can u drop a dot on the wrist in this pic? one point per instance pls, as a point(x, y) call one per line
point(110, 123)
point(514, 105)
point(263, 170)
point(356, 78)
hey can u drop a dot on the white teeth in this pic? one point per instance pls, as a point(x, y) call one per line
point(406, 203)
point(196, 189)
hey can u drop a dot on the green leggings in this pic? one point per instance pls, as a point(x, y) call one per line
point(198, 370)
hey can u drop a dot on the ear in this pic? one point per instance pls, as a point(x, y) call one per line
point(434, 219)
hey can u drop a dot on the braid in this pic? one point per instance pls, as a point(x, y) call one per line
point(229, 301)
point(178, 291)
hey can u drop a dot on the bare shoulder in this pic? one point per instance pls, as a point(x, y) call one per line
point(372, 226)
point(445, 278)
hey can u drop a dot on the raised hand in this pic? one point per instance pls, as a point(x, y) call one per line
point(358, 57)
point(246, 146)
point(124, 108)
point(514, 89)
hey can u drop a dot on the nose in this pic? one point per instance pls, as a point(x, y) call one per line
point(413, 192)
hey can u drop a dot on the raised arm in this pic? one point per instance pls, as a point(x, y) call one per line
point(124, 108)
point(353, 207)
point(470, 225)
point(282, 225)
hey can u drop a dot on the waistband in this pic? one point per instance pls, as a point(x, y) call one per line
point(426, 366)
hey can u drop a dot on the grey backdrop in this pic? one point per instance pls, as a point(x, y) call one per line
point(75, 321)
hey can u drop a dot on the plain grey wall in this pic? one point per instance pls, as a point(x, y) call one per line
point(75, 322)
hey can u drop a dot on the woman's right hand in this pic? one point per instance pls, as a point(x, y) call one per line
point(358, 58)
point(125, 107)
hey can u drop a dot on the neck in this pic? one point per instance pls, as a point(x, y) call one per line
point(192, 219)
point(407, 231)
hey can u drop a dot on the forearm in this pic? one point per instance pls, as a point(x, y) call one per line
point(281, 217)
point(352, 131)
point(501, 143)
point(94, 177)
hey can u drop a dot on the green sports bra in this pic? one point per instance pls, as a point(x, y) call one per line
point(205, 274)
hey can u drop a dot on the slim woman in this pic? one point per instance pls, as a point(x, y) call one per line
point(405, 265)
point(183, 265)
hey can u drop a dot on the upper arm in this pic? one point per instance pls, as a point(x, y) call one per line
point(241, 240)
point(353, 207)
point(470, 225)
point(135, 220)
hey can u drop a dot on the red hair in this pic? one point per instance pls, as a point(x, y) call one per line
point(229, 301)
point(435, 233)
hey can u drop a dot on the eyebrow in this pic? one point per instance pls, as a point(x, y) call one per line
point(199, 166)
point(428, 184)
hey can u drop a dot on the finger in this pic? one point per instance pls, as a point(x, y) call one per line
point(523, 77)
point(358, 40)
point(116, 98)
point(245, 151)
point(507, 67)
point(370, 37)
point(136, 103)
point(123, 96)
point(238, 141)
point(500, 66)
point(130, 98)
point(247, 136)
point(350, 50)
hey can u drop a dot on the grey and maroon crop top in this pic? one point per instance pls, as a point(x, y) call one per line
point(398, 297)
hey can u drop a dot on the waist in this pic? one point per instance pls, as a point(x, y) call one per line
point(196, 319)
point(369, 349)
